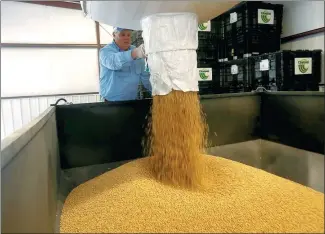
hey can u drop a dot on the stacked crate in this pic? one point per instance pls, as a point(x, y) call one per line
point(252, 28)
point(208, 77)
point(267, 72)
point(287, 70)
point(248, 29)
point(221, 41)
point(236, 76)
point(136, 38)
point(207, 55)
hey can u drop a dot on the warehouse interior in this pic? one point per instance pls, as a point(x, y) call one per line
point(260, 84)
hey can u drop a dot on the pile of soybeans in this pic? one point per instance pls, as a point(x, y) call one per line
point(178, 188)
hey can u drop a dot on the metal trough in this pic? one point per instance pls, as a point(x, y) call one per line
point(282, 133)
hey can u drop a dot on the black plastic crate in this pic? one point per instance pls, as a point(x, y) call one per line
point(236, 75)
point(207, 45)
point(207, 49)
point(254, 16)
point(249, 29)
point(207, 39)
point(301, 69)
point(222, 51)
point(138, 42)
point(251, 44)
point(206, 86)
point(267, 72)
point(220, 26)
point(298, 70)
point(136, 35)
point(207, 54)
point(143, 93)
point(207, 36)
point(221, 40)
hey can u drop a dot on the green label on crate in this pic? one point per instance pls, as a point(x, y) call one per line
point(303, 66)
point(204, 74)
point(205, 27)
point(265, 16)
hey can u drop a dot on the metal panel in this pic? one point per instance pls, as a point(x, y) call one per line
point(99, 133)
point(232, 118)
point(109, 132)
point(29, 177)
point(295, 119)
point(103, 133)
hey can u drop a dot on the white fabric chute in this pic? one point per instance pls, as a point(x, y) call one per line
point(171, 41)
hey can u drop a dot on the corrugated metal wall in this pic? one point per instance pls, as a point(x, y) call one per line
point(17, 112)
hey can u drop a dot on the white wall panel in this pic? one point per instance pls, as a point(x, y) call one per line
point(31, 23)
point(302, 16)
point(7, 115)
point(31, 72)
point(18, 112)
point(3, 135)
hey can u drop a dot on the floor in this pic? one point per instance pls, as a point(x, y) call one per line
point(306, 168)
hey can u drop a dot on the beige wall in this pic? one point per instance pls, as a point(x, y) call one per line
point(302, 16)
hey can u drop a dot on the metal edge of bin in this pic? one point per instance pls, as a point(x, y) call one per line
point(294, 118)
point(14, 143)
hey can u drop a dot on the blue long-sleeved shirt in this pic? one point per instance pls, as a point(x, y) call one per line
point(120, 74)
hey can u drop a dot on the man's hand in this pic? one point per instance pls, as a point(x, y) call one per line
point(138, 52)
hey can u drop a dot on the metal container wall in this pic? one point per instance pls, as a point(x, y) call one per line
point(30, 171)
point(108, 132)
point(296, 119)
point(97, 133)
point(90, 136)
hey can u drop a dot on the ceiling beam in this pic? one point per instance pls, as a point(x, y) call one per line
point(60, 4)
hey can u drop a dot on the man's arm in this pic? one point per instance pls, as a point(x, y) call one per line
point(145, 79)
point(114, 60)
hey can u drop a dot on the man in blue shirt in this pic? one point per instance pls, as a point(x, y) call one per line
point(122, 67)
